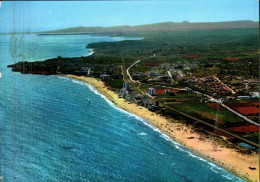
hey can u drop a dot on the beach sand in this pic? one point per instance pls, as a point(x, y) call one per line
point(208, 147)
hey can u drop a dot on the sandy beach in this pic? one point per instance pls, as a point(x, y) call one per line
point(208, 147)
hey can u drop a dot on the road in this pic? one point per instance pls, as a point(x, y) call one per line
point(218, 101)
point(233, 92)
point(127, 71)
point(170, 75)
point(238, 114)
point(213, 99)
point(213, 126)
point(130, 80)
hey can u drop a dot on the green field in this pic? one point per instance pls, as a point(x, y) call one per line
point(190, 104)
point(202, 108)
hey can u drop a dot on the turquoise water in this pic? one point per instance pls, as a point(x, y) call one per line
point(51, 132)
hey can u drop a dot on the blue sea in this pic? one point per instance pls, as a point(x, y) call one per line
point(59, 129)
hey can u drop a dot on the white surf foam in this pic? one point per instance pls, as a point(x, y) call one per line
point(142, 134)
point(62, 77)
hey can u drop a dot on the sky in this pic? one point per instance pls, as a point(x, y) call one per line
point(31, 16)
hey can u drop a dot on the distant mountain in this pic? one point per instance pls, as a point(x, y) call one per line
point(160, 27)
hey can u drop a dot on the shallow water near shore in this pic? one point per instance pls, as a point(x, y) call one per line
point(60, 129)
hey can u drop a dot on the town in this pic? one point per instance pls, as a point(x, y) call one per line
point(212, 87)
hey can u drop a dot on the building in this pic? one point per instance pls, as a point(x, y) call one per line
point(189, 90)
point(126, 86)
point(243, 97)
point(105, 77)
point(153, 73)
point(151, 91)
point(254, 94)
point(123, 93)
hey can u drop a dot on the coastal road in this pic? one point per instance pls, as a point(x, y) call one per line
point(127, 71)
point(128, 79)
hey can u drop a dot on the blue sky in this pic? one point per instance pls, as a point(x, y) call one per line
point(32, 16)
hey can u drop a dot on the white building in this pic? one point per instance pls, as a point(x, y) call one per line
point(243, 97)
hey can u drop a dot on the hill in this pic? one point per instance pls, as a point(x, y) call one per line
point(159, 27)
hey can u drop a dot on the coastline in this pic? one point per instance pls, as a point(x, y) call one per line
point(209, 148)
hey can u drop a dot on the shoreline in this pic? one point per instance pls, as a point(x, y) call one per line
point(91, 52)
point(208, 148)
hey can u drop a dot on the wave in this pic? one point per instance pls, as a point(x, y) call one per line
point(62, 77)
point(142, 134)
point(213, 167)
point(220, 171)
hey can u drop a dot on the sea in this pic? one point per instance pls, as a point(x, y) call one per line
point(59, 129)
